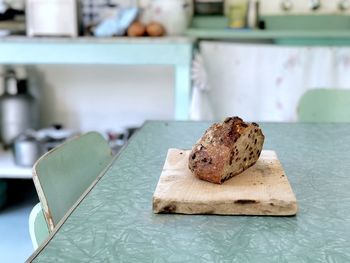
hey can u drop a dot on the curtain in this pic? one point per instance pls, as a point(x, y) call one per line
point(263, 82)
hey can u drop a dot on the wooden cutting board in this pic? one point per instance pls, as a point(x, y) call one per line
point(263, 189)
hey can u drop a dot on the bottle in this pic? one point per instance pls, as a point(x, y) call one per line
point(18, 109)
point(253, 14)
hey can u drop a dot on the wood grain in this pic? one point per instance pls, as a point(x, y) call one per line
point(262, 189)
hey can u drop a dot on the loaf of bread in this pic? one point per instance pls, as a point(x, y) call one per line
point(226, 149)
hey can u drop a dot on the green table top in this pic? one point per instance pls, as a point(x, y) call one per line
point(115, 223)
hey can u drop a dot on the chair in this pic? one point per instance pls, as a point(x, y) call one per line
point(61, 176)
point(325, 105)
point(38, 229)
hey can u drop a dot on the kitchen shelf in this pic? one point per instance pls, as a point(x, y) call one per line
point(173, 51)
point(278, 37)
point(8, 169)
point(215, 28)
point(92, 50)
point(265, 34)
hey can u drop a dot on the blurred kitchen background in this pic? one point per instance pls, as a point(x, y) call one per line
point(252, 58)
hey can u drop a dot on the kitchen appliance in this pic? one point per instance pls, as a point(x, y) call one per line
point(18, 109)
point(52, 18)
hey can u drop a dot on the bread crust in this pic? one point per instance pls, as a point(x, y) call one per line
point(226, 149)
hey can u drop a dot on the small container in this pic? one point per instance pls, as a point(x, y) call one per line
point(27, 149)
point(253, 14)
point(238, 14)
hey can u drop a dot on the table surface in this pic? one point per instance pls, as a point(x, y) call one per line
point(115, 223)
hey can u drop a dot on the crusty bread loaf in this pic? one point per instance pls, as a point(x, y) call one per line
point(226, 149)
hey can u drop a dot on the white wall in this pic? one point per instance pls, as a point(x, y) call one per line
point(104, 97)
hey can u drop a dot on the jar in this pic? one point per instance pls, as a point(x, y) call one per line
point(27, 149)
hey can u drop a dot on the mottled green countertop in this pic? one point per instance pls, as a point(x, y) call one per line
point(115, 223)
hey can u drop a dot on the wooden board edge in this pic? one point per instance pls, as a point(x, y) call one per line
point(236, 207)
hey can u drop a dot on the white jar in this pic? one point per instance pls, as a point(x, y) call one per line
point(174, 15)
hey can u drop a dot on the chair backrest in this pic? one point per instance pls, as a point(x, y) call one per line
point(63, 174)
point(325, 105)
